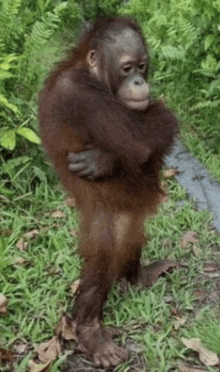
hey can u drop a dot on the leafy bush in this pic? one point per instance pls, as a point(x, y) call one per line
point(184, 40)
point(95, 8)
point(26, 27)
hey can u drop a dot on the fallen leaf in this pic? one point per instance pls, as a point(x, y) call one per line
point(164, 198)
point(21, 348)
point(6, 232)
point(132, 347)
point(74, 286)
point(53, 270)
point(123, 285)
point(186, 368)
point(3, 303)
point(70, 202)
point(200, 294)
point(58, 214)
point(49, 350)
point(214, 297)
point(210, 267)
point(34, 367)
point(74, 232)
point(179, 322)
point(32, 234)
point(170, 173)
point(197, 251)
point(163, 185)
point(22, 245)
point(66, 329)
point(206, 356)
point(6, 356)
point(153, 271)
point(168, 299)
point(45, 229)
point(21, 261)
point(189, 237)
point(214, 275)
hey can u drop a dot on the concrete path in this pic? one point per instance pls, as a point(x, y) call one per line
point(196, 181)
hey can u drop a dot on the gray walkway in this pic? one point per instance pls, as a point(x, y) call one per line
point(196, 181)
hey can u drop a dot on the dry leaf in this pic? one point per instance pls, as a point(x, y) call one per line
point(6, 232)
point(32, 234)
point(49, 350)
point(189, 237)
point(21, 348)
point(74, 287)
point(206, 356)
point(200, 294)
point(6, 356)
point(21, 261)
point(179, 322)
point(163, 186)
point(34, 367)
point(170, 173)
point(22, 245)
point(58, 214)
point(70, 202)
point(168, 299)
point(74, 232)
point(3, 303)
point(164, 199)
point(46, 229)
point(66, 329)
point(185, 368)
point(210, 267)
point(153, 271)
point(197, 251)
point(123, 285)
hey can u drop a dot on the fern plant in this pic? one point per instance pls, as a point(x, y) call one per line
point(183, 37)
point(11, 28)
point(42, 30)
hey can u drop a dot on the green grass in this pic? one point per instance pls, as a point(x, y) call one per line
point(38, 290)
point(199, 129)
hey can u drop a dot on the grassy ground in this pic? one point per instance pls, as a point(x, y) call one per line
point(36, 280)
point(199, 129)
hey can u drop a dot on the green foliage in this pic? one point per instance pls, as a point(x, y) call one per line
point(6, 104)
point(183, 36)
point(10, 28)
point(96, 8)
point(26, 27)
point(8, 137)
point(182, 31)
point(42, 30)
point(184, 43)
point(7, 63)
point(12, 164)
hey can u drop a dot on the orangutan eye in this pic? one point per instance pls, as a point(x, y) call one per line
point(141, 66)
point(127, 69)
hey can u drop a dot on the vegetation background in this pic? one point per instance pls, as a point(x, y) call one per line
point(184, 43)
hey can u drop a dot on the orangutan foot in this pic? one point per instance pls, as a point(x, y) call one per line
point(97, 342)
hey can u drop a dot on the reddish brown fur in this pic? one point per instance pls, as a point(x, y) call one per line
point(76, 110)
